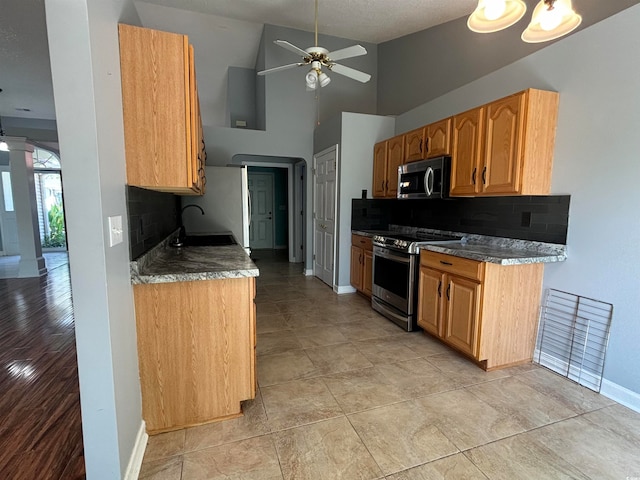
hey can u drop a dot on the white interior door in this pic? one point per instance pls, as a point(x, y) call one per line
point(261, 226)
point(9, 242)
point(324, 213)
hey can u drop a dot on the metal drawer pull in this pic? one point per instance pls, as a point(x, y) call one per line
point(446, 263)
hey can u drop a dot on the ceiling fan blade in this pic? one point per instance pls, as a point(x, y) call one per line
point(349, 52)
point(291, 47)
point(350, 72)
point(277, 69)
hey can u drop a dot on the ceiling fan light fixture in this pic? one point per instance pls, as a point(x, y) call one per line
point(324, 79)
point(312, 79)
point(494, 15)
point(551, 19)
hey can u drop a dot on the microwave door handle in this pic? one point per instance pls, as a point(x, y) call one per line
point(428, 181)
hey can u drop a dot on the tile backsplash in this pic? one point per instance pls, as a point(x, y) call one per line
point(536, 218)
point(152, 217)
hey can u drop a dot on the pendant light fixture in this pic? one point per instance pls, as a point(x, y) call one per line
point(551, 19)
point(494, 15)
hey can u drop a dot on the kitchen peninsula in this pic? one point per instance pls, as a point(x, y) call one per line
point(195, 318)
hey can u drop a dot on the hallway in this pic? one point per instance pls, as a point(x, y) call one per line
point(40, 425)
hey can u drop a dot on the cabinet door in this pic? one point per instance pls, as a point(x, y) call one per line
point(367, 273)
point(503, 145)
point(430, 300)
point(461, 320)
point(379, 169)
point(438, 138)
point(414, 145)
point(395, 158)
point(466, 152)
point(356, 267)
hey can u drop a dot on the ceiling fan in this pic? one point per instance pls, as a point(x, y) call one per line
point(317, 57)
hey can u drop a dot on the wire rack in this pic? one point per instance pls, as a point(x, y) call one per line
point(573, 336)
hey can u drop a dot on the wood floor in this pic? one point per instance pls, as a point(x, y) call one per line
point(40, 425)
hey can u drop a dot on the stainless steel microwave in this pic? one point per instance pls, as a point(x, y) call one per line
point(425, 178)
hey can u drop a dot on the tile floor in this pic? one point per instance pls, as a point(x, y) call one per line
point(345, 394)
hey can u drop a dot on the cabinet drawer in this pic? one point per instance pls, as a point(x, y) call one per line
point(463, 267)
point(361, 241)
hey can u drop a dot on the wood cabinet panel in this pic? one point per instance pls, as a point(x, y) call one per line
point(466, 152)
point(464, 267)
point(430, 301)
point(367, 273)
point(379, 169)
point(438, 138)
point(462, 314)
point(356, 267)
point(395, 158)
point(160, 114)
point(361, 263)
point(414, 145)
point(196, 350)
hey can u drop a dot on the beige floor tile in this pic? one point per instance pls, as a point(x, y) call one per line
point(337, 358)
point(252, 423)
point(301, 321)
point(271, 323)
point(266, 308)
point(319, 336)
point(253, 459)
point(455, 467)
point(400, 437)
point(298, 403)
point(520, 401)
point(165, 445)
point(385, 350)
point(522, 458)
point(416, 378)
point(277, 342)
point(284, 367)
point(576, 397)
point(597, 451)
point(324, 450)
point(462, 370)
point(365, 330)
point(163, 469)
point(362, 389)
point(466, 420)
point(424, 345)
point(619, 420)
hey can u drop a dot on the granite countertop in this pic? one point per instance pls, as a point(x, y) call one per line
point(165, 264)
point(503, 251)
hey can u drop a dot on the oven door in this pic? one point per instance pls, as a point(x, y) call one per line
point(394, 278)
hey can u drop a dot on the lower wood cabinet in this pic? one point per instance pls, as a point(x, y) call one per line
point(196, 350)
point(487, 311)
point(361, 263)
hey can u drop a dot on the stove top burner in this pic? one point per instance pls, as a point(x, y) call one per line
point(410, 243)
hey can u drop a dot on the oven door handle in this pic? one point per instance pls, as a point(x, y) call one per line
point(390, 256)
point(428, 181)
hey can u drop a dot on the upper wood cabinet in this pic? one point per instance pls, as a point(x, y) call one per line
point(414, 145)
point(162, 126)
point(387, 157)
point(432, 140)
point(505, 147)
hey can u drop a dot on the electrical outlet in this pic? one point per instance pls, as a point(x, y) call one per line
point(115, 230)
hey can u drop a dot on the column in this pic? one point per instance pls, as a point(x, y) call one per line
point(24, 200)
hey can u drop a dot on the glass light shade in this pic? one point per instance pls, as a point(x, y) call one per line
point(551, 24)
point(494, 15)
point(312, 79)
point(324, 79)
point(3, 146)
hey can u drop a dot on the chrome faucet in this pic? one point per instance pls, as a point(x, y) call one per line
point(182, 233)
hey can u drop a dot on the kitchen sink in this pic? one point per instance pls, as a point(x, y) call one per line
point(209, 240)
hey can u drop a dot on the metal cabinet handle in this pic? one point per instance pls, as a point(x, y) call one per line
point(473, 176)
point(420, 147)
point(484, 175)
point(440, 288)
point(426, 144)
point(387, 185)
point(448, 290)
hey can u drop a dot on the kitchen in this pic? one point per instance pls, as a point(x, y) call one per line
point(573, 153)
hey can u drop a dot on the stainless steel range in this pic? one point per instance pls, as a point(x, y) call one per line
point(396, 264)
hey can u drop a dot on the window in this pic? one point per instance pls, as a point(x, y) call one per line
point(8, 193)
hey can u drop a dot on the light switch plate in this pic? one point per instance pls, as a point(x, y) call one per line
point(115, 230)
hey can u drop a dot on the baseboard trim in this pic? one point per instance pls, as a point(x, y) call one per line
point(308, 272)
point(135, 461)
point(345, 289)
point(622, 395)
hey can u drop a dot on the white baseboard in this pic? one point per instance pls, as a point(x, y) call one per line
point(308, 272)
point(584, 377)
point(345, 289)
point(622, 395)
point(135, 461)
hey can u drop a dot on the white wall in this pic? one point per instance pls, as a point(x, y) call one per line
point(597, 73)
point(85, 63)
